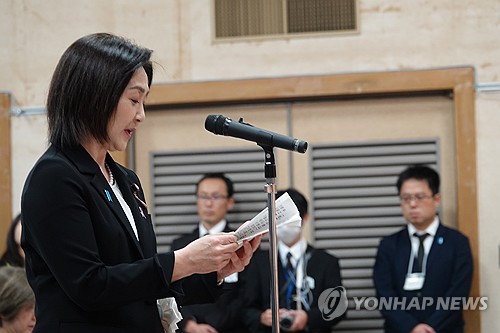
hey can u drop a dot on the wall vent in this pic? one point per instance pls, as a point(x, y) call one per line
point(236, 19)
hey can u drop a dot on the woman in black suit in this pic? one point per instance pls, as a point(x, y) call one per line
point(88, 237)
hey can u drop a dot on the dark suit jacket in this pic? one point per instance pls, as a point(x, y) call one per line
point(224, 314)
point(83, 261)
point(256, 286)
point(448, 273)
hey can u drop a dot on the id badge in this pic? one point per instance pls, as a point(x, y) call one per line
point(233, 278)
point(310, 282)
point(414, 281)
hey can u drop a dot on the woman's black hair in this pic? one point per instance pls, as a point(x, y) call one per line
point(87, 84)
point(12, 256)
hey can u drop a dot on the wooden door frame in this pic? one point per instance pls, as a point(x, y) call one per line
point(458, 82)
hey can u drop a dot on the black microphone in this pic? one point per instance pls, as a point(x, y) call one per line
point(220, 125)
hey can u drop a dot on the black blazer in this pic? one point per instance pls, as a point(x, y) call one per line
point(225, 314)
point(448, 273)
point(256, 286)
point(83, 261)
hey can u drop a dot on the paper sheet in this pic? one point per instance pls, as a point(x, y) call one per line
point(169, 314)
point(286, 213)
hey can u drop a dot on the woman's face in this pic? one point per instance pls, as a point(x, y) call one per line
point(129, 111)
point(24, 322)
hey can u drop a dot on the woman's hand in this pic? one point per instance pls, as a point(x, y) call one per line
point(207, 254)
point(240, 259)
point(214, 253)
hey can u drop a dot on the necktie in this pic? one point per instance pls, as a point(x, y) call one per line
point(289, 265)
point(421, 251)
point(290, 277)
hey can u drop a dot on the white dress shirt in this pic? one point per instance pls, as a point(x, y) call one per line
point(430, 230)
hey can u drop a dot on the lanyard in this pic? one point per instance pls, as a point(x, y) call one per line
point(302, 289)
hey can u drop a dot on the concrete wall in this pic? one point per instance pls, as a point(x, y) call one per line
point(404, 34)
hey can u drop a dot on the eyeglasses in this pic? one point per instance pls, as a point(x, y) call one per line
point(419, 197)
point(214, 197)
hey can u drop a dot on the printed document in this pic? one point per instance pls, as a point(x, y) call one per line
point(286, 213)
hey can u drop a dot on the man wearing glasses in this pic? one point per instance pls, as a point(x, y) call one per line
point(214, 198)
point(425, 267)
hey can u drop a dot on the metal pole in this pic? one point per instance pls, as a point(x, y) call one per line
point(270, 173)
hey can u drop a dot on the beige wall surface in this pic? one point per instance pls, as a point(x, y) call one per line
point(394, 35)
point(395, 119)
point(183, 130)
point(488, 152)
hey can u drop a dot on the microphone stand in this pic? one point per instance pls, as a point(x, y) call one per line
point(270, 174)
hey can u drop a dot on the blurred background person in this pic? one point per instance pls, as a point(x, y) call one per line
point(304, 272)
point(14, 254)
point(214, 198)
point(423, 260)
point(17, 301)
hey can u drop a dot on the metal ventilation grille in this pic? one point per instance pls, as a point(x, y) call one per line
point(261, 18)
point(355, 204)
point(238, 18)
point(174, 175)
point(321, 15)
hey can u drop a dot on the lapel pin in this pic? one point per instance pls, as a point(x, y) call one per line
point(108, 196)
point(135, 188)
point(440, 240)
point(142, 213)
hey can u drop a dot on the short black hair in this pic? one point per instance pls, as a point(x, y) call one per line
point(219, 175)
point(298, 199)
point(87, 84)
point(420, 172)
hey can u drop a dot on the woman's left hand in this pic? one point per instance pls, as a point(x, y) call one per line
point(241, 258)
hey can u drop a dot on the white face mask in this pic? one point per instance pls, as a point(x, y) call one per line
point(287, 233)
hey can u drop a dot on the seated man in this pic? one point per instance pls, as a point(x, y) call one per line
point(297, 261)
